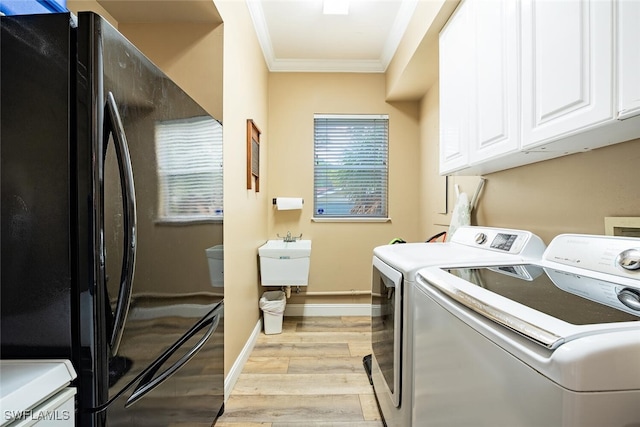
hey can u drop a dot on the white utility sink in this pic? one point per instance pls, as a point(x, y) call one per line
point(284, 250)
point(285, 263)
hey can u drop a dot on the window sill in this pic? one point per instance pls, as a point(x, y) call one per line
point(320, 219)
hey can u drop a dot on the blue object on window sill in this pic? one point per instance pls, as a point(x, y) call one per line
point(29, 7)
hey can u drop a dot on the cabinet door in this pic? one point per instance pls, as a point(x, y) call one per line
point(456, 48)
point(497, 104)
point(567, 59)
point(628, 58)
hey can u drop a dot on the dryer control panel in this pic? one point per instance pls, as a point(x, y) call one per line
point(509, 241)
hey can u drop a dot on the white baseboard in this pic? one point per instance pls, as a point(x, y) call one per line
point(327, 310)
point(235, 371)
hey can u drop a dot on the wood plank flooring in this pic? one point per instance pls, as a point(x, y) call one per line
point(310, 375)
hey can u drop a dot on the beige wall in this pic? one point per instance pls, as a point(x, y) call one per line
point(414, 66)
point(437, 196)
point(432, 189)
point(245, 216)
point(341, 252)
point(570, 194)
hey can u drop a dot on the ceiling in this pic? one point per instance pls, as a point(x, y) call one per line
point(295, 35)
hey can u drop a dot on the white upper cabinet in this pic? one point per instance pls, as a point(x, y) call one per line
point(580, 74)
point(479, 80)
point(629, 58)
point(456, 78)
point(523, 81)
point(496, 109)
point(567, 73)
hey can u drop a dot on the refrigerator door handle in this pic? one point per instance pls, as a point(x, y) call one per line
point(149, 381)
point(130, 219)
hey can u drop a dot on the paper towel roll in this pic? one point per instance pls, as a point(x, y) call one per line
point(288, 203)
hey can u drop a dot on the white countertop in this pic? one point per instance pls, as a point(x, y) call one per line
point(24, 384)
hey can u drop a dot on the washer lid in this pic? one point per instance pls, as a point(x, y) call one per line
point(572, 298)
point(24, 384)
point(547, 305)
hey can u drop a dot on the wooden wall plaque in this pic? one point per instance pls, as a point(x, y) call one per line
point(253, 155)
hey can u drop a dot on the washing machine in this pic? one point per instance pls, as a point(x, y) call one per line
point(549, 343)
point(394, 272)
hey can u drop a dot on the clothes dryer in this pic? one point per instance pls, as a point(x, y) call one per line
point(394, 271)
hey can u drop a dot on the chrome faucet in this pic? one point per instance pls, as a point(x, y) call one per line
point(289, 237)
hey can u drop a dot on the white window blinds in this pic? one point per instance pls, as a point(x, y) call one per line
point(351, 168)
point(189, 155)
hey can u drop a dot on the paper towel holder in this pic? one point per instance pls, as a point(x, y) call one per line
point(274, 201)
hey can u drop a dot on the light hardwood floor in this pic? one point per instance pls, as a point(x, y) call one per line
point(309, 375)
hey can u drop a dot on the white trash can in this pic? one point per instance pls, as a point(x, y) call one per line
point(272, 304)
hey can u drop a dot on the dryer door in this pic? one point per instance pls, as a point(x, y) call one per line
point(386, 325)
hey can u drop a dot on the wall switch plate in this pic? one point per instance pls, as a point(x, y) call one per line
point(626, 226)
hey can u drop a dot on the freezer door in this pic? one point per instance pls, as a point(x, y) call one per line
point(183, 385)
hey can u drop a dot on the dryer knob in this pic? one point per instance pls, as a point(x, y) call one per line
point(481, 238)
point(629, 259)
point(630, 298)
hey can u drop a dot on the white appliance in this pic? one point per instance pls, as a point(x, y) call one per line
point(37, 393)
point(550, 343)
point(394, 272)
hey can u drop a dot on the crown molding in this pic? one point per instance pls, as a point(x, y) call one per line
point(326, 66)
point(379, 65)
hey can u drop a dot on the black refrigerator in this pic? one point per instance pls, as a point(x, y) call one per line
point(112, 219)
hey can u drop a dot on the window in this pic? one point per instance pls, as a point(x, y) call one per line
point(189, 153)
point(351, 168)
